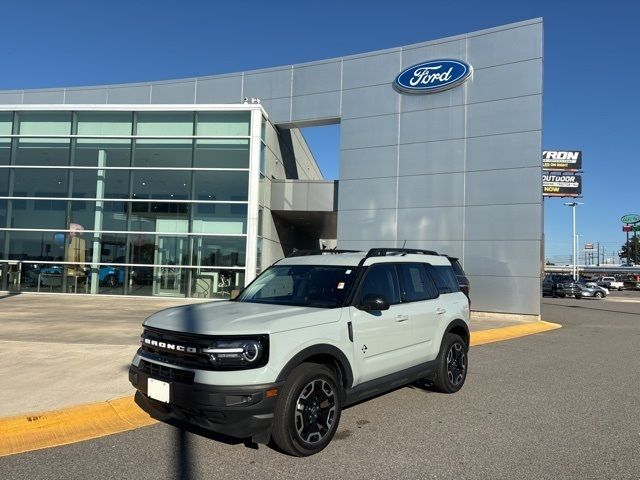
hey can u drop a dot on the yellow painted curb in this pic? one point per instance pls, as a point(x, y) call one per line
point(507, 333)
point(24, 433)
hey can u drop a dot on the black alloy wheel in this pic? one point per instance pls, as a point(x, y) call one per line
point(308, 410)
point(110, 281)
point(315, 411)
point(452, 366)
point(456, 363)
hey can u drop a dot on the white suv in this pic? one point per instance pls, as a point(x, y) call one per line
point(311, 335)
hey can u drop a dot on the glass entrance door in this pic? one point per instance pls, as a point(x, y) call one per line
point(168, 277)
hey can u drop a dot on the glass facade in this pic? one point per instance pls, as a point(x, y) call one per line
point(126, 202)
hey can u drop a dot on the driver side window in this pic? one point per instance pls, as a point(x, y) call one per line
point(381, 279)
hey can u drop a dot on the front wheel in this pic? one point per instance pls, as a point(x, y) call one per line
point(308, 410)
point(452, 364)
point(598, 295)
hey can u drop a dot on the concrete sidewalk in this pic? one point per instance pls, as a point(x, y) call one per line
point(58, 351)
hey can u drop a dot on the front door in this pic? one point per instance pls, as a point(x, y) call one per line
point(380, 338)
point(168, 277)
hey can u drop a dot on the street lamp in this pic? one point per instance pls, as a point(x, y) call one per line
point(574, 269)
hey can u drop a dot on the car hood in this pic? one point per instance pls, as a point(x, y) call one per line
point(239, 318)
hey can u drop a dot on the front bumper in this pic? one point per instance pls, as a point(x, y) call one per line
point(569, 291)
point(238, 411)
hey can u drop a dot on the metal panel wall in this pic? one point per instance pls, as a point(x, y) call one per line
point(457, 171)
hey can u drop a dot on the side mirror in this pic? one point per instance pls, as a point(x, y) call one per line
point(373, 302)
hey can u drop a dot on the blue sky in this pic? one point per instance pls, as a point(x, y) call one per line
point(591, 64)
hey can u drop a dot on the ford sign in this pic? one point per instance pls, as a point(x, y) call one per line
point(433, 76)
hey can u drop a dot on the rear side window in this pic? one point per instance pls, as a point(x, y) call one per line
point(445, 278)
point(415, 283)
point(457, 269)
point(381, 279)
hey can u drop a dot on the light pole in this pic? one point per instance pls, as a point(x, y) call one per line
point(573, 206)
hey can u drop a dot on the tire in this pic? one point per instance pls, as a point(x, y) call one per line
point(554, 293)
point(578, 297)
point(451, 371)
point(110, 281)
point(598, 295)
point(299, 410)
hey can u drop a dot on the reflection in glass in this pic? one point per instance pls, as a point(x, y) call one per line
point(38, 214)
point(43, 151)
point(44, 123)
point(41, 182)
point(104, 123)
point(221, 218)
point(116, 152)
point(219, 251)
point(221, 185)
point(161, 184)
point(215, 283)
point(223, 123)
point(224, 153)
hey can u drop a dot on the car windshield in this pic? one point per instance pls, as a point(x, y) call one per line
point(302, 286)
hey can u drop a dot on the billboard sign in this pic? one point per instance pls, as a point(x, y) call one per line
point(561, 185)
point(433, 76)
point(626, 228)
point(562, 160)
point(588, 246)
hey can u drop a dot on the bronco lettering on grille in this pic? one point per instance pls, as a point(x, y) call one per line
point(168, 346)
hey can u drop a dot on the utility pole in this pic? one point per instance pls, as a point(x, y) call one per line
point(573, 206)
point(598, 260)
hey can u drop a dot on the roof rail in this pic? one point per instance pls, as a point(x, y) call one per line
point(382, 252)
point(305, 253)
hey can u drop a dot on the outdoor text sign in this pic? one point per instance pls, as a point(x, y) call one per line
point(561, 185)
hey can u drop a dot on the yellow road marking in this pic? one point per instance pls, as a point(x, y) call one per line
point(507, 333)
point(24, 433)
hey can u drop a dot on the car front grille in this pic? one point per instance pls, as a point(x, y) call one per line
point(166, 373)
point(176, 348)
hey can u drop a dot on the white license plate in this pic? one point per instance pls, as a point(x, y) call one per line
point(158, 390)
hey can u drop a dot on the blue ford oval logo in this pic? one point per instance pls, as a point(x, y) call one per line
point(433, 76)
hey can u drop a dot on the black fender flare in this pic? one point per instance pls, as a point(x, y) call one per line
point(320, 349)
point(461, 324)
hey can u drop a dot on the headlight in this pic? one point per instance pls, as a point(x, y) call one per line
point(238, 353)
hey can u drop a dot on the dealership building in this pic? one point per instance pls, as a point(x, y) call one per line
point(191, 187)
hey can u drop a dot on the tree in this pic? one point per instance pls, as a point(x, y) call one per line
point(633, 256)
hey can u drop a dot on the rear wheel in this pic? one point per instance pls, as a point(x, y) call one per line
point(452, 364)
point(308, 410)
point(110, 281)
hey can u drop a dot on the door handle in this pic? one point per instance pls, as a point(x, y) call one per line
point(402, 318)
point(440, 311)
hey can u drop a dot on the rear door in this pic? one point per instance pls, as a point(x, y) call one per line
point(380, 338)
point(420, 300)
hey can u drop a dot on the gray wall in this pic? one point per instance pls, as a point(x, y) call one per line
point(457, 171)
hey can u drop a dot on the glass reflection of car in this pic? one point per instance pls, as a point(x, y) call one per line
point(111, 276)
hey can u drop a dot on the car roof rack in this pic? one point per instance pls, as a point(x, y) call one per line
point(305, 253)
point(383, 252)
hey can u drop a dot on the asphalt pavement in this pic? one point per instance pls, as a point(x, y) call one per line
point(561, 404)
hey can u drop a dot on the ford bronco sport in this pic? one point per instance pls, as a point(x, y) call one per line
point(309, 336)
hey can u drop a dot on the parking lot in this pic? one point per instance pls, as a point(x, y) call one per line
point(561, 404)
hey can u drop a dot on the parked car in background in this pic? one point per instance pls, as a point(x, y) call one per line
point(111, 276)
point(610, 282)
point(593, 291)
point(631, 283)
point(558, 285)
